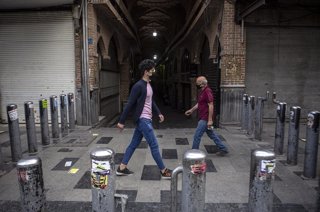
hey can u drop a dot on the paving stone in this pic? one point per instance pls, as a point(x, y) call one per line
point(169, 154)
point(104, 140)
point(210, 166)
point(211, 149)
point(150, 172)
point(65, 164)
point(182, 141)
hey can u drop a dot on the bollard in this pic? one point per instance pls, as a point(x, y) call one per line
point(43, 107)
point(261, 181)
point(31, 127)
point(245, 112)
point(31, 185)
point(14, 132)
point(103, 180)
point(71, 111)
point(280, 122)
point(293, 135)
point(63, 114)
point(251, 115)
point(193, 182)
point(311, 149)
point(258, 121)
point(54, 116)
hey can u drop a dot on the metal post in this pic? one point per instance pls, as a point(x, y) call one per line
point(251, 115)
point(174, 187)
point(279, 134)
point(31, 185)
point(258, 121)
point(71, 111)
point(103, 180)
point(31, 127)
point(54, 116)
point(311, 149)
point(261, 181)
point(245, 112)
point(259, 116)
point(293, 135)
point(14, 132)
point(43, 107)
point(193, 182)
point(63, 114)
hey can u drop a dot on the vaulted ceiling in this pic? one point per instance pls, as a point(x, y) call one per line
point(164, 17)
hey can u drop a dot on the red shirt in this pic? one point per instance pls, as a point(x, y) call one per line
point(205, 97)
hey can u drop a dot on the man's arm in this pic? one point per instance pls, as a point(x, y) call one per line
point(210, 122)
point(156, 109)
point(134, 94)
point(188, 112)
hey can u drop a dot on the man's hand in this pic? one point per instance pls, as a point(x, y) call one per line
point(161, 117)
point(120, 126)
point(210, 123)
point(188, 112)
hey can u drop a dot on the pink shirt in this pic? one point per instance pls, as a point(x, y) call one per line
point(147, 108)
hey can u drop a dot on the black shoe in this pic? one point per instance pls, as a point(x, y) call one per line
point(124, 172)
point(166, 174)
point(222, 153)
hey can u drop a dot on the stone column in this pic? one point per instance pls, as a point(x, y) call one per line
point(232, 67)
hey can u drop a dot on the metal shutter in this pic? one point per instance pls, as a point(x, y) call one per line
point(37, 58)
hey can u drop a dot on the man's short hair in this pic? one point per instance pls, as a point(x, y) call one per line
point(146, 64)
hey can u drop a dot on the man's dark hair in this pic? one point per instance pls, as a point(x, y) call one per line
point(146, 64)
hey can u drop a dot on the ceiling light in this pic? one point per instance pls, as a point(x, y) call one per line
point(154, 34)
point(155, 57)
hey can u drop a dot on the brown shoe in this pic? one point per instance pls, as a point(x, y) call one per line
point(166, 174)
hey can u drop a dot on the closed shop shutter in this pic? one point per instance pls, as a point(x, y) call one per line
point(37, 58)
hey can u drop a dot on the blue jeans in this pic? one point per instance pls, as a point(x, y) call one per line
point(201, 128)
point(144, 129)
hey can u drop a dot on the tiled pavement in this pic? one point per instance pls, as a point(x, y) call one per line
point(227, 177)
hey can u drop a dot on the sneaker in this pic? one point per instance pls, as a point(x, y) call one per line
point(124, 172)
point(222, 153)
point(166, 174)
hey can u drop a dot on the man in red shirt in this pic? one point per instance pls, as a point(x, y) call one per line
point(205, 112)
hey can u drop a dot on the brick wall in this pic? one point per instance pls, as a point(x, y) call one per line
point(233, 49)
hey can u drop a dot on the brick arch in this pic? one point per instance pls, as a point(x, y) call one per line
point(121, 48)
point(103, 49)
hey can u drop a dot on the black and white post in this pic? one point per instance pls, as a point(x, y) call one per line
point(245, 112)
point(293, 135)
point(279, 133)
point(54, 117)
point(14, 132)
point(43, 107)
point(251, 115)
point(64, 114)
point(311, 149)
point(72, 121)
point(30, 126)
